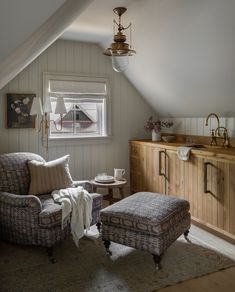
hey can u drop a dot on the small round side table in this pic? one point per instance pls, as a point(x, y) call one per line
point(117, 184)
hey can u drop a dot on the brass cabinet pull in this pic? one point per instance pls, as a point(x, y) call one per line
point(160, 173)
point(205, 177)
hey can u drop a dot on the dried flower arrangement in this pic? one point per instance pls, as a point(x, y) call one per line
point(157, 125)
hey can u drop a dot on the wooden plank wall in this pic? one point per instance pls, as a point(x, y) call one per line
point(129, 111)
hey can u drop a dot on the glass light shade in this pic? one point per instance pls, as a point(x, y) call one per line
point(36, 108)
point(120, 63)
point(60, 106)
point(47, 105)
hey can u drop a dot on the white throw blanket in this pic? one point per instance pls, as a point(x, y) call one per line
point(79, 202)
point(183, 153)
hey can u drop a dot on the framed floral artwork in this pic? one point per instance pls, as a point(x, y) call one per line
point(18, 109)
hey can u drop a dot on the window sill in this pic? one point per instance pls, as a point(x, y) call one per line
point(85, 140)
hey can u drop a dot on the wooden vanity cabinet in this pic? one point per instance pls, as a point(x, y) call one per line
point(147, 168)
point(208, 184)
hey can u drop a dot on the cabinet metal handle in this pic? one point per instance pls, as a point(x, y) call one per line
point(205, 177)
point(160, 163)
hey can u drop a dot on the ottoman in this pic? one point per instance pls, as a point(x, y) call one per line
point(146, 221)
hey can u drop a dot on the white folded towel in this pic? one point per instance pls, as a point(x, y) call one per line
point(183, 153)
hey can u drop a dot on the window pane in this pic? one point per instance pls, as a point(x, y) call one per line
point(84, 117)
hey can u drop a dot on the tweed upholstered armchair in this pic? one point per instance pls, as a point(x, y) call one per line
point(28, 219)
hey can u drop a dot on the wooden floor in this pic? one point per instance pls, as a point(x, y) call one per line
point(223, 281)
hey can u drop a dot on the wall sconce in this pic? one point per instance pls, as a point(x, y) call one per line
point(119, 50)
point(44, 111)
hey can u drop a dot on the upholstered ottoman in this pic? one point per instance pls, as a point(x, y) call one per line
point(146, 221)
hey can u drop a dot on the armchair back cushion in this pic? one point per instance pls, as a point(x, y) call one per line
point(49, 176)
point(14, 172)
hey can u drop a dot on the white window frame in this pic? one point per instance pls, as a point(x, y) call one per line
point(47, 76)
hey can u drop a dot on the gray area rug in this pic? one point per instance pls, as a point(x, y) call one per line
point(88, 268)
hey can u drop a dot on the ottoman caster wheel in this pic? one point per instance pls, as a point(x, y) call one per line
point(157, 261)
point(107, 244)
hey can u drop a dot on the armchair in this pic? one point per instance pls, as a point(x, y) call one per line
point(28, 219)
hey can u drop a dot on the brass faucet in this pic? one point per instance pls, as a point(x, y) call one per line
point(225, 136)
point(213, 134)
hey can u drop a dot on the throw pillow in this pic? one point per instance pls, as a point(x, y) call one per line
point(49, 176)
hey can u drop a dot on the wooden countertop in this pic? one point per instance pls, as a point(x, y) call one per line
point(208, 151)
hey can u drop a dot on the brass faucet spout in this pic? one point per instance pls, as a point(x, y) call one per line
point(213, 136)
point(211, 115)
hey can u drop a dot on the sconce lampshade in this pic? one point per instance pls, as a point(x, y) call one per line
point(36, 108)
point(60, 106)
point(47, 105)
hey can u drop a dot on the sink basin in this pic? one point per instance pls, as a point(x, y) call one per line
point(204, 146)
point(197, 146)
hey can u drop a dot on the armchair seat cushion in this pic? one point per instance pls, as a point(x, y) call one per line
point(51, 214)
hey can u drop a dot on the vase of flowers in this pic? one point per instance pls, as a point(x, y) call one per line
point(155, 127)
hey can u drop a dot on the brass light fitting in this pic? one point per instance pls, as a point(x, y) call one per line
point(119, 48)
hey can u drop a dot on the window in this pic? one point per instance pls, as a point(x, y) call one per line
point(86, 102)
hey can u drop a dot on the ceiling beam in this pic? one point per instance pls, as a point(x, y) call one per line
point(41, 39)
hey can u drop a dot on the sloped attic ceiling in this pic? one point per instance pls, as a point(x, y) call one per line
point(19, 19)
point(185, 61)
point(21, 51)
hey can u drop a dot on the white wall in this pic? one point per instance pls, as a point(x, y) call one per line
point(185, 64)
point(88, 157)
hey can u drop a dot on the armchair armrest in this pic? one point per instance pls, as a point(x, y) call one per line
point(84, 183)
point(20, 201)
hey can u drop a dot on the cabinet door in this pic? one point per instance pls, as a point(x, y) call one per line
point(175, 175)
point(201, 182)
point(229, 204)
point(214, 192)
point(154, 175)
point(147, 168)
point(137, 167)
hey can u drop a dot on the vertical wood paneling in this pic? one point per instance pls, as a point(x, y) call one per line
point(69, 51)
point(77, 57)
point(61, 56)
point(13, 137)
point(24, 133)
point(52, 58)
point(4, 133)
point(128, 111)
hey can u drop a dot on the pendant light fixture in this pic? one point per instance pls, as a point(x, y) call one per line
point(119, 50)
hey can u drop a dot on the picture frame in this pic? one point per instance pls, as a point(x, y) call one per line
point(18, 110)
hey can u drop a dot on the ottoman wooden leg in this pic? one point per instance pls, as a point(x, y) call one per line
point(107, 244)
point(50, 253)
point(186, 235)
point(157, 259)
point(98, 225)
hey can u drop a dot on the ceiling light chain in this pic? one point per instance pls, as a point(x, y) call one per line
point(119, 50)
